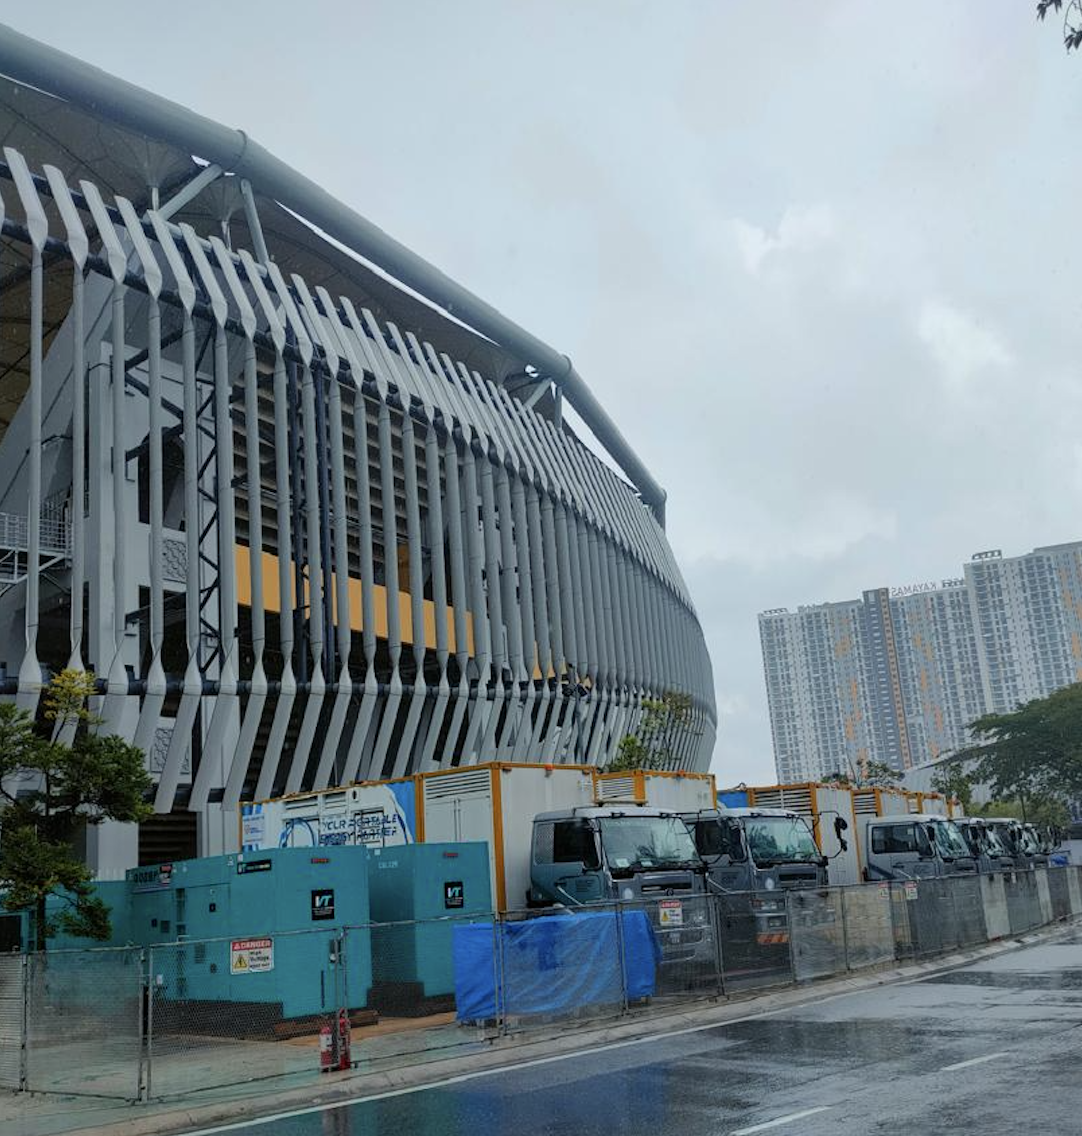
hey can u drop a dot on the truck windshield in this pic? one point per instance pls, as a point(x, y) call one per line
point(632, 842)
point(949, 840)
point(1006, 838)
point(972, 836)
point(779, 840)
point(993, 844)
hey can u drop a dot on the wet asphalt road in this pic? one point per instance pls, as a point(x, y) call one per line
point(995, 1048)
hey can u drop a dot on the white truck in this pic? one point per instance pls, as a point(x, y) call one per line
point(908, 846)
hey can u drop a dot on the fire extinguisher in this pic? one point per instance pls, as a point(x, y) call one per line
point(343, 1040)
point(326, 1049)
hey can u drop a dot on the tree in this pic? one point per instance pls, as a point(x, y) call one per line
point(1043, 812)
point(50, 792)
point(872, 774)
point(1034, 753)
point(1072, 19)
point(952, 780)
point(664, 722)
point(877, 774)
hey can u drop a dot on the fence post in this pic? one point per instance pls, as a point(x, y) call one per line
point(341, 988)
point(843, 895)
point(953, 890)
point(343, 967)
point(791, 924)
point(146, 1020)
point(24, 1026)
point(500, 1000)
point(719, 957)
point(621, 952)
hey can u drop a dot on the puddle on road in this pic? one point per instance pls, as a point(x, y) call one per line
point(1010, 979)
point(812, 1041)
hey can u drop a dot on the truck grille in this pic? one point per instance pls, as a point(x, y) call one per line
point(791, 880)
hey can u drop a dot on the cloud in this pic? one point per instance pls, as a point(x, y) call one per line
point(801, 229)
point(818, 530)
point(962, 346)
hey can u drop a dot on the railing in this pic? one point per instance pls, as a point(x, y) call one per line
point(55, 533)
point(174, 1019)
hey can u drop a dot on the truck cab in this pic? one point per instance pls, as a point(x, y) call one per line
point(1035, 846)
point(638, 856)
point(759, 854)
point(1010, 834)
point(985, 845)
point(914, 846)
point(750, 849)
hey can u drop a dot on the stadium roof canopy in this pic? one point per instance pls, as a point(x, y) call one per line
point(59, 110)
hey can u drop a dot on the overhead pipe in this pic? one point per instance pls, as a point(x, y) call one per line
point(28, 61)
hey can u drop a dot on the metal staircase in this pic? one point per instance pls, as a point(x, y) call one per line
point(55, 545)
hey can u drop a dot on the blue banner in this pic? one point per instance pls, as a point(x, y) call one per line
point(553, 964)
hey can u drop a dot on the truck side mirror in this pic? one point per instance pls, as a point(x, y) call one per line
point(840, 825)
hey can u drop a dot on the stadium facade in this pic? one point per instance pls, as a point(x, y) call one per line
point(310, 511)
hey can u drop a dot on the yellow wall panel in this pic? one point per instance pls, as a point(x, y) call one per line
point(272, 601)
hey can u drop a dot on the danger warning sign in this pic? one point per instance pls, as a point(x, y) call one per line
point(250, 956)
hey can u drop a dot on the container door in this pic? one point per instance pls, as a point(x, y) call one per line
point(457, 807)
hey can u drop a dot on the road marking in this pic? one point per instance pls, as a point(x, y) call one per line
point(781, 1120)
point(971, 1061)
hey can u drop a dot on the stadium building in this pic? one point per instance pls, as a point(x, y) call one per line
point(310, 511)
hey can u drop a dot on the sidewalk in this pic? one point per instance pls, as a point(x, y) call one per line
point(403, 1055)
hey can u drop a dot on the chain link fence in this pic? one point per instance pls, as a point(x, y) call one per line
point(174, 1019)
point(223, 1011)
point(13, 992)
point(85, 1022)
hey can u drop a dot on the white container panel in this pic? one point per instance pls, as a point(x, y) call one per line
point(681, 794)
point(524, 792)
point(459, 806)
point(844, 867)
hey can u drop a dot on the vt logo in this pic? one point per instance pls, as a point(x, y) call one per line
point(454, 894)
point(323, 903)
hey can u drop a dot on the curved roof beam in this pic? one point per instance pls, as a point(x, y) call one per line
point(29, 61)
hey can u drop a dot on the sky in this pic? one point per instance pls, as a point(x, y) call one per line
point(818, 261)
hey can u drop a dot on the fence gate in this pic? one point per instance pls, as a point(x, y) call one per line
point(12, 1021)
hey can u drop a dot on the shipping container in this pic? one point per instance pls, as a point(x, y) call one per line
point(371, 814)
point(660, 789)
point(933, 804)
point(880, 802)
point(496, 803)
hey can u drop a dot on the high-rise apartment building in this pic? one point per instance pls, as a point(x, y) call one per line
point(815, 671)
point(1027, 611)
point(898, 675)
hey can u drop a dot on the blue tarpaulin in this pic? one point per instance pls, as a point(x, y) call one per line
point(553, 964)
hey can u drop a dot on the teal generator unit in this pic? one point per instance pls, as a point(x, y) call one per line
point(257, 927)
point(17, 927)
point(417, 893)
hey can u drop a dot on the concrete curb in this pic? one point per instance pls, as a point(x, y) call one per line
point(516, 1050)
